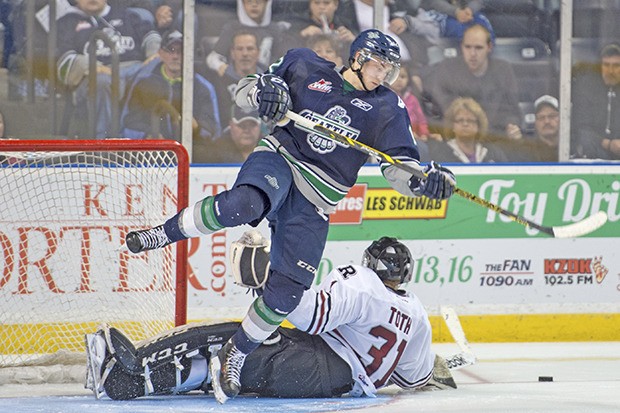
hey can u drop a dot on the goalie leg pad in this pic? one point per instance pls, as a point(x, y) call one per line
point(250, 260)
point(174, 362)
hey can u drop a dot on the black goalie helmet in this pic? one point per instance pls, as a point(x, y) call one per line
point(390, 259)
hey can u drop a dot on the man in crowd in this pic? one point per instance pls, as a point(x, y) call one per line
point(129, 28)
point(156, 93)
point(596, 109)
point(490, 82)
point(543, 146)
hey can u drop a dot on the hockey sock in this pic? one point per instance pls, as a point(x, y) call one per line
point(259, 323)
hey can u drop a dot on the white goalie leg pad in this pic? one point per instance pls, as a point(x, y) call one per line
point(98, 347)
point(198, 372)
point(250, 259)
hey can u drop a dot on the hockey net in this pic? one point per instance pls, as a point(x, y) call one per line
point(65, 208)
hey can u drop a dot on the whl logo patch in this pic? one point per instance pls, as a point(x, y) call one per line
point(321, 86)
point(335, 119)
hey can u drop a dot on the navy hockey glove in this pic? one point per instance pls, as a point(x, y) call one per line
point(438, 184)
point(272, 97)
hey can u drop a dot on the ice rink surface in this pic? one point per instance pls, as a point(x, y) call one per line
point(586, 378)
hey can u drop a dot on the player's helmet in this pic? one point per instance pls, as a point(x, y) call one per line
point(390, 259)
point(373, 43)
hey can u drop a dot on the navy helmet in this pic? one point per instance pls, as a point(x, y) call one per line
point(374, 43)
point(390, 259)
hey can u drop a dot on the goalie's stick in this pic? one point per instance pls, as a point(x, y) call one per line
point(577, 229)
point(466, 357)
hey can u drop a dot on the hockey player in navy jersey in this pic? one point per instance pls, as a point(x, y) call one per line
point(357, 332)
point(295, 178)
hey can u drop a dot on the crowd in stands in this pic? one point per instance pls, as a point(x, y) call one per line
point(480, 81)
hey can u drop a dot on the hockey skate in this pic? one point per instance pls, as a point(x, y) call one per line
point(148, 239)
point(226, 372)
point(442, 378)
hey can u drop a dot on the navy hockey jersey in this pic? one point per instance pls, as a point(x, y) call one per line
point(324, 170)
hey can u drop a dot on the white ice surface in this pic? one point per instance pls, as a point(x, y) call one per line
point(586, 378)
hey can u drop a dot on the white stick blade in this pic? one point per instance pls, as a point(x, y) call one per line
point(578, 229)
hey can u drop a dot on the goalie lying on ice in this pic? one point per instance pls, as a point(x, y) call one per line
point(356, 333)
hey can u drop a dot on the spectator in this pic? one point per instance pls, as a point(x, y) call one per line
point(596, 108)
point(454, 16)
point(465, 127)
point(490, 82)
point(136, 40)
point(237, 142)
point(320, 19)
point(327, 46)
point(244, 55)
point(254, 16)
point(404, 87)
point(160, 81)
point(543, 146)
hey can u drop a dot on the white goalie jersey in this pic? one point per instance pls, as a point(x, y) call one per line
point(383, 335)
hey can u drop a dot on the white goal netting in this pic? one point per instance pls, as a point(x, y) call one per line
point(65, 208)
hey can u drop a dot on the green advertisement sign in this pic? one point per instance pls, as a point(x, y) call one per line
point(546, 196)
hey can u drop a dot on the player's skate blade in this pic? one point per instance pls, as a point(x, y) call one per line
point(226, 372)
point(148, 239)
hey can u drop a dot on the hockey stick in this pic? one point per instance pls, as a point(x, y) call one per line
point(577, 229)
point(467, 356)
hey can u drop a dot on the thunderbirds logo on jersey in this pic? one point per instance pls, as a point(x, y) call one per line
point(322, 85)
point(335, 119)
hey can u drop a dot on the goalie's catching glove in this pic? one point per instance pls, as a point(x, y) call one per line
point(272, 98)
point(438, 184)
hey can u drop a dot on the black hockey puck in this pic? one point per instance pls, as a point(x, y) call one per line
point(545, 378)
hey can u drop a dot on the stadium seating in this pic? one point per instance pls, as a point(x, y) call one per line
point(531, 61)
point(515, 18)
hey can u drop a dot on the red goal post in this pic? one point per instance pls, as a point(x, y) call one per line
point(65, 208)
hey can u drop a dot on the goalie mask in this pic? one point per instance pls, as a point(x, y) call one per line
point(390, 259)
point(375, 46)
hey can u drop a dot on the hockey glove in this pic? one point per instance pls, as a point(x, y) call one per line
point(250, 260)
point(272, 97)
point(438, 184)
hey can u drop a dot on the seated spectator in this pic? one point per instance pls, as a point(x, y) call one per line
point(454, 16)
point(237, 142)
point(466, 125)
point(320, 19)
point(159, 84)
point(489, 81)
point(244, 60)
point(136, 40)
point(543, 146)
point(596, 108)
point(327, 46)
point(254, 16)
